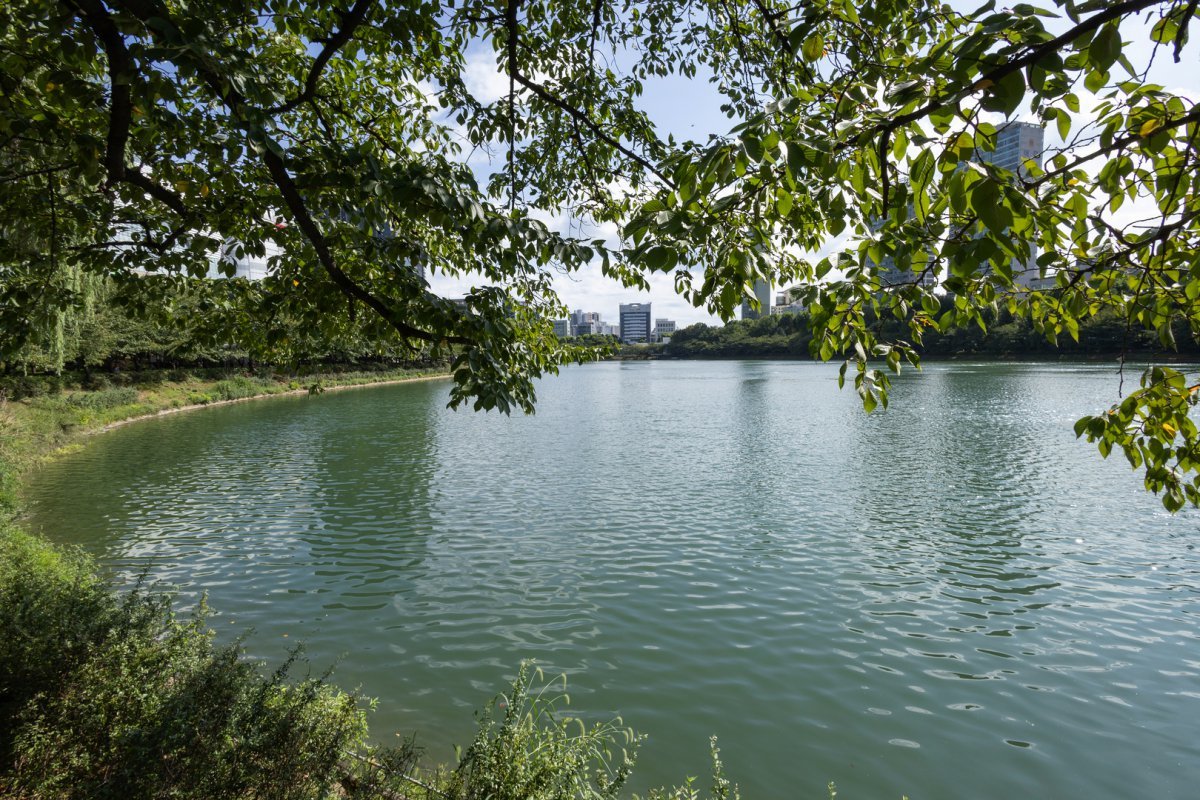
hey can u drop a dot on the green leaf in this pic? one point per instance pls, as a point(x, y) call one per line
point(813, 48)
point(783, 202)
point(1064, 124)
point(1096, 80)
point(988, 204)
point(1106, 47)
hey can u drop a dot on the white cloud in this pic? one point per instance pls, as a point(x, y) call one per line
point(484, 78)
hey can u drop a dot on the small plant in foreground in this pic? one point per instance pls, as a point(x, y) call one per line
point(534, 753)
point(110, 697)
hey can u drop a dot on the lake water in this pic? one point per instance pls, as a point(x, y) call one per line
point(953, 598)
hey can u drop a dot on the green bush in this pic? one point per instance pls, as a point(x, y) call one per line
point(104, 398)
point(21, 387)
point(97, 381)
point(238, 387)
point(52, 610)
point(534, 753)
point(105, 697)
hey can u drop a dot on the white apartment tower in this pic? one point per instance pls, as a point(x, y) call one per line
point(635, 322)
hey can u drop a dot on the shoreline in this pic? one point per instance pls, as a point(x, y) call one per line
point(264, 396)
point(40, 429)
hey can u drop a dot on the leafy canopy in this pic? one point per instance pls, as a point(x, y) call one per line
point(150, 134)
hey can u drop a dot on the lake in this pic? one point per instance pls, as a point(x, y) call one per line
point(950, 598)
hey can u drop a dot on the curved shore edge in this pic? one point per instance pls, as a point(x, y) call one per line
point(45, 425)
point(264, 396)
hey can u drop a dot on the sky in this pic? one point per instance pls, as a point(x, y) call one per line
point(690, 109)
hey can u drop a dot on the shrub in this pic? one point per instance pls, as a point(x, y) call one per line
point(96, 381)
point(21, 387)
point(118, 698)
point(52, 609)
point(533, 753)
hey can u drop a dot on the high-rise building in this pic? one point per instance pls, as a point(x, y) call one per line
point(1018, 144)
point(762, 293)
point(562, 328)
point(635, 322)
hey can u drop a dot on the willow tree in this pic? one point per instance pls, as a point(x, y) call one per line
point(143, 134)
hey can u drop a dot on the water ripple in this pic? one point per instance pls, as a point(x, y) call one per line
point(951, 598)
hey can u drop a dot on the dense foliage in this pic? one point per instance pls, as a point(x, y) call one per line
point(1004, 336)
point(154, 135)
point(180, 326)
point(103, 696)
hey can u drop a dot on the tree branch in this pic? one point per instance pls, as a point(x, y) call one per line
point(587, 121)
point(295, 203)
point(351, 20)
point(242, 109)
point(1116, 144)
point(120, 76)
point(120, 107)
point(1013, 65)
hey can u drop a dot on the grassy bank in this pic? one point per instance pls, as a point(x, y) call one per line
point(107, 694)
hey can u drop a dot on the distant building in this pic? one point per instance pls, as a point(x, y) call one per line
point(252, 267)
point(663, 328)
point(1016, 144)
point(788, 302)
point(635, 322)
point(584, 323)
point(762, 293)
point(562, 328)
